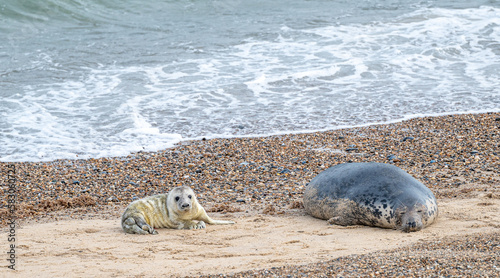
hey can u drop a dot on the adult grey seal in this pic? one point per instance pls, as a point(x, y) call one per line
point(179, 209)
point(373, 194)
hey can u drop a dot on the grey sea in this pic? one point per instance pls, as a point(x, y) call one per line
point(99, 78)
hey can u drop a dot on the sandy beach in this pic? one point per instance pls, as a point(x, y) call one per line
point(68, 211)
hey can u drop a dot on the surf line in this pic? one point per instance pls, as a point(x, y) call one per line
point(11, 193)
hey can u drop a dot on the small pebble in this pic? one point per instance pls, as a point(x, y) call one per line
point(392, 157)
point(408, 138)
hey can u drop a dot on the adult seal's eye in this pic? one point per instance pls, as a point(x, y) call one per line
point(189, 196)
point(177, 198)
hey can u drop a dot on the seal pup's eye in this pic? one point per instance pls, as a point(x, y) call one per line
point(177, 198)
point(189, 196)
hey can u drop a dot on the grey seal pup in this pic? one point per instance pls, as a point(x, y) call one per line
point(179, 209)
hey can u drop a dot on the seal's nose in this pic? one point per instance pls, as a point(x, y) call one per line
point(411, 224)
point(185, 205)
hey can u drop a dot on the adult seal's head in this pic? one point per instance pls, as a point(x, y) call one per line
point(373, 194)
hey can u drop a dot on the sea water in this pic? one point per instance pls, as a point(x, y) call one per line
point(98, 78)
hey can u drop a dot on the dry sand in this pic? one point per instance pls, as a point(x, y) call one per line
point(96, 247)
point(68, 211)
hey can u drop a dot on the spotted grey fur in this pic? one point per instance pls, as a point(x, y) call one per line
point(372, 194)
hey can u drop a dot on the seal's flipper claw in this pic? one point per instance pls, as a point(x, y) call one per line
point(200, 225)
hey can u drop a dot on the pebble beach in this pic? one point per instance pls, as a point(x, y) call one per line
point(456, 156)
point(474, 256)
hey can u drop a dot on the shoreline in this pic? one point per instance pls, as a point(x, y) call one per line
point(263, 135)
point(453, 155)
point(261, 180)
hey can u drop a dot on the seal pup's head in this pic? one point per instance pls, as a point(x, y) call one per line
point(183, 199)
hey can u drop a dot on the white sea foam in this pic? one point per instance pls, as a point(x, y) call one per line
point(427, 62)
